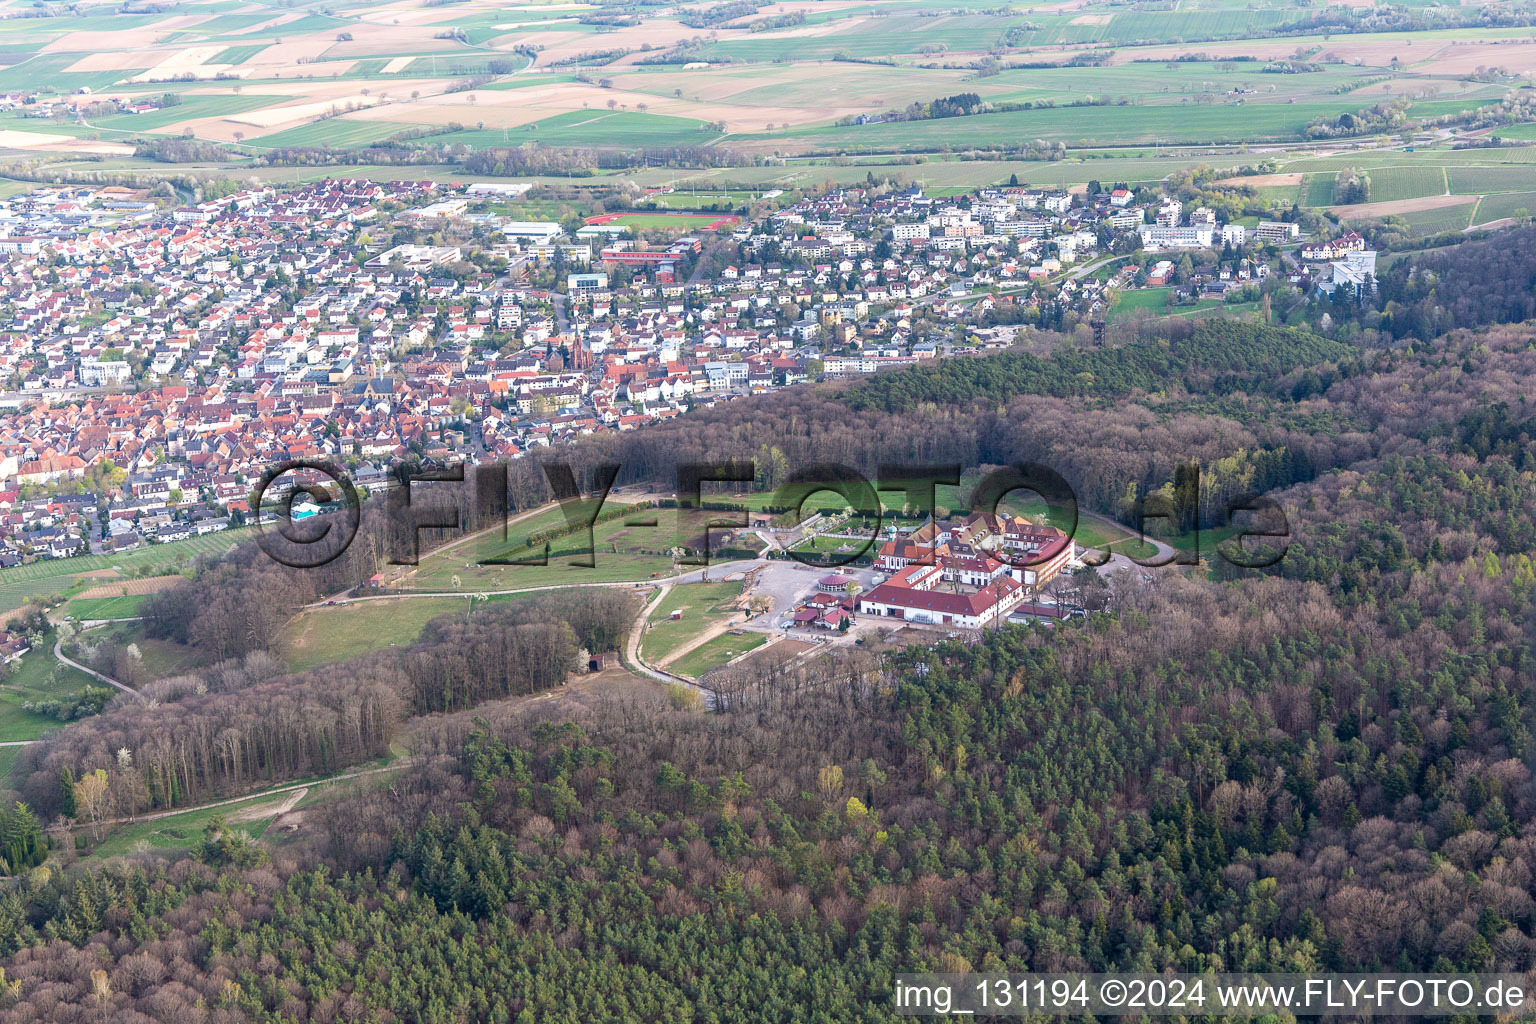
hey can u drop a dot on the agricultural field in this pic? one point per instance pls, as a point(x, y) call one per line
point(624, 129)
point(1393, 183)
point(542, 74)
point(334, 132)
point(1504, 204)
point(191, 107)
point(1430, 221)
point(1475, 180)
point(63, 575)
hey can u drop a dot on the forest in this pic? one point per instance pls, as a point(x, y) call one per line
point(1319, 765)
point(244, 723)
point(1491, 281)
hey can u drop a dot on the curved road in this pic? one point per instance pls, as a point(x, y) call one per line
point(661, 675)
point(59, 654)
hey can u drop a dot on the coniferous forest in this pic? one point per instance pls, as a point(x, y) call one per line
point(1322, 765)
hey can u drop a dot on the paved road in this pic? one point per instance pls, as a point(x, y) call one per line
point(562, 322)
point(59, 654)
point(1118, 561)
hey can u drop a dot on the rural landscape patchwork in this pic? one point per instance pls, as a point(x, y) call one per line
point(823, 510)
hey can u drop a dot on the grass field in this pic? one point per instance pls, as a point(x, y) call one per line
point(694, 200)
point(703, 606)
point(619, 552)
point(125, 607)
point(161, 658)
point(179, 831)
point(716, 652)
point(1128, 301)
point(324, 636)
point(668, 221)
point(37, 676)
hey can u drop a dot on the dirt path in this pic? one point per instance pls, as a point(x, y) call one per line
point(265, 811)
point(632, 648)
point(1357, 211)
point(703, 638)
point(400, 765)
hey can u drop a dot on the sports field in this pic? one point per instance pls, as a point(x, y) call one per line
point(126, 607)
point(668, 221)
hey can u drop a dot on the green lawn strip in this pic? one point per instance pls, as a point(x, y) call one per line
point(716, 652)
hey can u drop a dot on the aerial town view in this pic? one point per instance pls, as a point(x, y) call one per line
point(820, 510)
